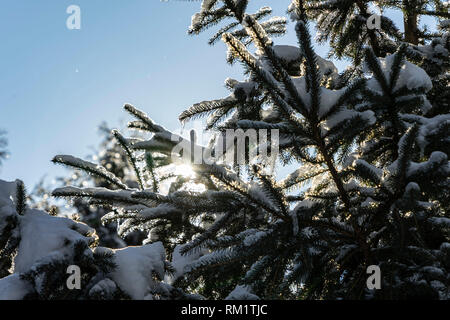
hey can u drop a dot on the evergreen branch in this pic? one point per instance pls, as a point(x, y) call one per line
point(301, 175)
point(405, 149)
point(208, 18)
point(266, 79)
point(350, 92)
point(371, 32)
point(367, 171)
point(125, 145)
point(21, 197)
point(208, 234)
point(151, 168)
point(264, 44)
point(150, 196)
point(219, 33)
point(374, 66)
point(312, 73)
point(271, 191)
point(102, 194)
point(144, 118)
point(90, 168)
point(206, 107)
point(396, 66)
point(222, 176)
point(139, 125)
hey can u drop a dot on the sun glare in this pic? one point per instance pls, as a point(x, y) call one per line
point(184, 170)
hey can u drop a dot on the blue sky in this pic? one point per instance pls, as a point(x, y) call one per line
point(58, 85)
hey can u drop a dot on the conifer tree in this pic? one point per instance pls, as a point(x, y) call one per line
point(112, 156)
point(368, 155)
point(40, 253)
point(344, 24)
point(149, 165)
point(372, 174)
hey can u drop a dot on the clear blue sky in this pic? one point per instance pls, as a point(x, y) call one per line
point(57, 85)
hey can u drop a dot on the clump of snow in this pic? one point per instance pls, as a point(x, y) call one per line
point(179, 261)
point(378, 172)
point(437, 160)
point(14, 288)
point(411, 76)
point(42, 238)
point(288, 53)
point(328, 98)
point(105, 288)
point(430, 126)
point(326, 67)
point(159, 211)
point(45, 238)
point(257, 193)
point(43, 235)
point(243, 91)
point(292, 12)
point(345, 115)
point(242, 293)
point(135, 268)
point(305, 204)
point(441, 221)
point(412, 187)
point(214, 255)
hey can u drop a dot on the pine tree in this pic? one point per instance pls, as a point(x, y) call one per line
point(38, 252)
point(147, 161)
point(363, 152)
point(367, 154)
point(363, 160)
point(344, 24)
point(362, 136)
point(112, 156)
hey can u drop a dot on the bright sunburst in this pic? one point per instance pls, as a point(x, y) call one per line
point(184, 170)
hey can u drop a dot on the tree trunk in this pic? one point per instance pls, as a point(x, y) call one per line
point(410, 23)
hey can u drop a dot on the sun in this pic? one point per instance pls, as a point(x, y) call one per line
point(187, 171)
point(184, 170)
